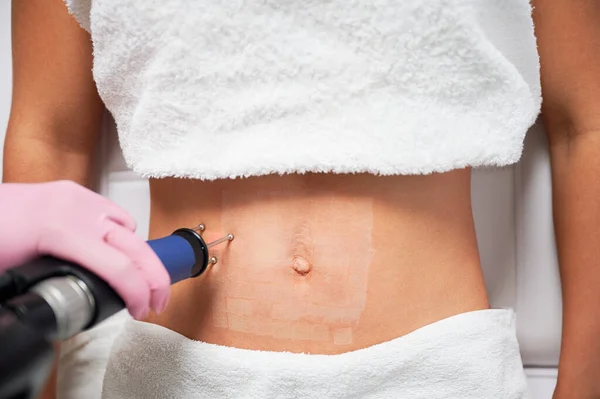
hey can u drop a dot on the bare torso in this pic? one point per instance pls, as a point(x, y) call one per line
point(322, 263)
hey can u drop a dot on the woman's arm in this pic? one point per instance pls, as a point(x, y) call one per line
point(56, 111)
point(569, 43)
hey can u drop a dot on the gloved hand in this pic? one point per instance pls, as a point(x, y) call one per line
point(70, 222)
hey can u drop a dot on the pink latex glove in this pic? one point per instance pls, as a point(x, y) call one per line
point(70, 222)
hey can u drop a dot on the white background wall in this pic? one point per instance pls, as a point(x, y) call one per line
point(5, 71)
point(517, 252)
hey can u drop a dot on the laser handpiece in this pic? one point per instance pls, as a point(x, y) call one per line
point(49, 299)
point(79, 299)
point(185, 253)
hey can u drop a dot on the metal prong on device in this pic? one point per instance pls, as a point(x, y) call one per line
point(213, 260)
point(228, 237)
point(200, 228)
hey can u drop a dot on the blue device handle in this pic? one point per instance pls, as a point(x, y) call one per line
point(177, 254)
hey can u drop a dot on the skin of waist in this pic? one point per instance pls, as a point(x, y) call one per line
point(322, 263)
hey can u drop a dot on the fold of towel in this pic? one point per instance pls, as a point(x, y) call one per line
point(468, 356)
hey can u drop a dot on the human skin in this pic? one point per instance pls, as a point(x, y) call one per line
point(569, 43)
point(52, 135)
point(367, 273)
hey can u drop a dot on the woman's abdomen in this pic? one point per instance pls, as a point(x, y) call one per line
point(322, 263)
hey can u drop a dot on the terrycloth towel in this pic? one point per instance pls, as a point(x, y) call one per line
point(345, 86)
point(473, 355)
point(83, 359)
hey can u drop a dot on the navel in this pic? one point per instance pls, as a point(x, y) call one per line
point(302, 248)
point(301, 265)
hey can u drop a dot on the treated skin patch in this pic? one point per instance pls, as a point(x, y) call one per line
point(342, 336)
point(288, 276)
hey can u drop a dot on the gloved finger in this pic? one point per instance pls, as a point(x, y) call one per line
point(106, 262)
point(134, 290)
point(119, 215)
point(144, 258)
point(92, 203)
